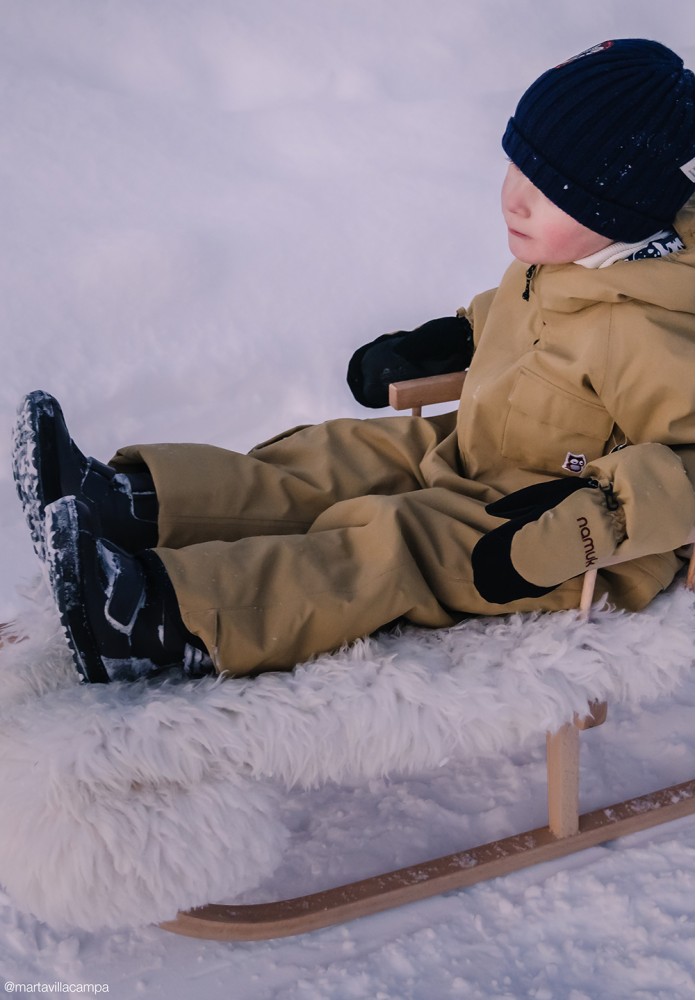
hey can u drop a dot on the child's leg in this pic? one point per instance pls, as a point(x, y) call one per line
point(207, 493)
point(270, 602)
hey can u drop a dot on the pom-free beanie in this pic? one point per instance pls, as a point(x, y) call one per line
point(608, 137)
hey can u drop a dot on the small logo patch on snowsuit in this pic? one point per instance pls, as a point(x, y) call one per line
point(574, 463)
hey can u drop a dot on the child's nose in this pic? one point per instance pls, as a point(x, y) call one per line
point(517, 203)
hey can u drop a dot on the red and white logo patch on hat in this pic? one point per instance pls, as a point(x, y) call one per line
point(601, 47)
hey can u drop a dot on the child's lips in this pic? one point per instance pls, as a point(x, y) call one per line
point(517, 233)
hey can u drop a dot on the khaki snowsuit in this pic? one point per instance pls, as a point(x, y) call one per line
point(329, 532)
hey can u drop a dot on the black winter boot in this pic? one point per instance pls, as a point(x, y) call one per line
point(47, 465)
point(119, 611)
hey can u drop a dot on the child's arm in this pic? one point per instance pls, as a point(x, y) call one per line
point(648, 380)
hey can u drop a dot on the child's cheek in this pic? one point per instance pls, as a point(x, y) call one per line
point(559, 242)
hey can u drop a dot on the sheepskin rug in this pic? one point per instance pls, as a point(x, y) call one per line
point(122, 804)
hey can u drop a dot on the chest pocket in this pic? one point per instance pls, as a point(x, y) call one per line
point(546, 424)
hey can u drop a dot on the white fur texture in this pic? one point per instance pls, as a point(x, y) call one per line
point(123, 803)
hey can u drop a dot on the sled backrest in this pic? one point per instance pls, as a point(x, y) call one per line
point(416, 393)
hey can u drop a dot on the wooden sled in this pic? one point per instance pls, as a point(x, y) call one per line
point(566, 832)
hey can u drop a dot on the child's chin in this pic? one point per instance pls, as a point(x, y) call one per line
point(521, 249)
point(525, 258)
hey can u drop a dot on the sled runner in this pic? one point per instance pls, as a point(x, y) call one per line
point(455, 871)
point(567, 831)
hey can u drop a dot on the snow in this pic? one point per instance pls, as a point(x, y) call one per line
point(206, 207)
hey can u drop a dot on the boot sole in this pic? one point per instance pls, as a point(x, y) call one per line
point(61, 538)
point(25, 465)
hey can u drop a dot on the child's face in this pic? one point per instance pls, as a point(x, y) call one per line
point(538, 231)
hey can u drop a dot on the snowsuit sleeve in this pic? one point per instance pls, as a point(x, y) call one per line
point(477, 312)
point(648, 389)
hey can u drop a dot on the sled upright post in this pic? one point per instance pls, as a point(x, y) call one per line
point(563, 780)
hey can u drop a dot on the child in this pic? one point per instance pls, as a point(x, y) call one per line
point(568, 449)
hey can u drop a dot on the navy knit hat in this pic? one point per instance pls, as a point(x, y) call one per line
point(608, 137)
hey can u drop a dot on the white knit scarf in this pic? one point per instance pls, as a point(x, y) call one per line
point(658, 245)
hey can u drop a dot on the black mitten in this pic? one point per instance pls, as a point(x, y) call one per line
point(436, 347)
point(495, 577)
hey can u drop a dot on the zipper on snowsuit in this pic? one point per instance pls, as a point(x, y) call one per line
point(529, 275)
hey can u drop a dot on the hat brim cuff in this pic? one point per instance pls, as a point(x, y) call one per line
point(601, 216)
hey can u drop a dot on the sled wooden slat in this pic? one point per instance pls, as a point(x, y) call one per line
point(260, 921)
point(415, 393)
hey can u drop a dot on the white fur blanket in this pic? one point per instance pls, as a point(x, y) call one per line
point(123, 803)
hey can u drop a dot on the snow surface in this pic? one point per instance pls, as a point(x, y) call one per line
point(207, 205)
